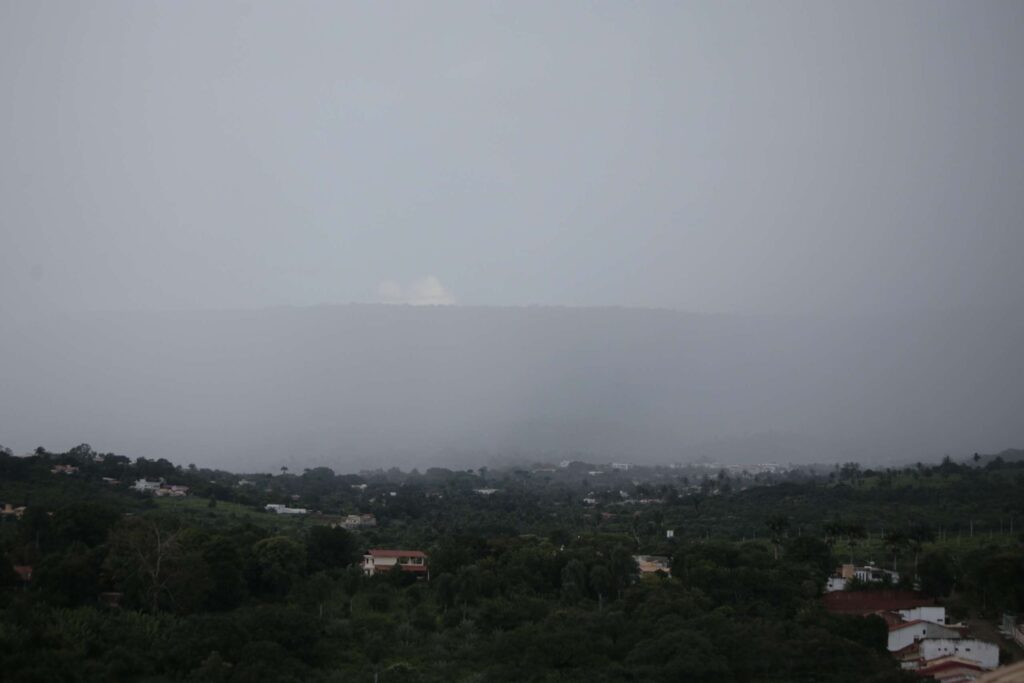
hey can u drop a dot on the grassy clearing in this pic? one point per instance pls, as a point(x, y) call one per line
point(197, 511)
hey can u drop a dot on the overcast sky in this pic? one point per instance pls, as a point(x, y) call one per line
point(758, 157)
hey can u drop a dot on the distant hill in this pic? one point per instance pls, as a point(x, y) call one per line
point(379, 385)
point(1009, 455)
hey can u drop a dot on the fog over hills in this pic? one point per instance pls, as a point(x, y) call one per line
point(367, 385)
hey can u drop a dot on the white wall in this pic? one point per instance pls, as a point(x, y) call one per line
point(371, 564)
point(901, 637)
point(835, 583)
point(986, 654)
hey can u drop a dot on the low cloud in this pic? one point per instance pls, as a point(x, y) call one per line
point(427, 291)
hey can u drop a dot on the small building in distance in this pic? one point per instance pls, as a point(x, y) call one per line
point(380, 560)
point(64, 469)
point(353, 522)
point(652, 564)
point(147, 485)
point(172, 490)
point(279, 509)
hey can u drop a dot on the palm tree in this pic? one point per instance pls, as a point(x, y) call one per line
point(777, 525)
point(895, 541)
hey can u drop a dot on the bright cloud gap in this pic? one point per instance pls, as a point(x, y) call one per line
point(427, 291)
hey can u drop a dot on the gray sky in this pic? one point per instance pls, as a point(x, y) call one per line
point(828, 197)
point(720, 157)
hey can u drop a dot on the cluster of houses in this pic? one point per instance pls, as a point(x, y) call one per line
point(920, 636)
point(159, 488)
point(869, 574)
point(922, 641)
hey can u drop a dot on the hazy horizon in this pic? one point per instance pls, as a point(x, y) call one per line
point(376, 385)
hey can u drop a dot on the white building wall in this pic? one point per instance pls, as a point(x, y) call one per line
point(835, 583)
point(371, 564)
point(984, 653)
point(901, 637)
point(936, 615)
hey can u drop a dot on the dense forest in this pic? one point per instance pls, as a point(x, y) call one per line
point(532, 574)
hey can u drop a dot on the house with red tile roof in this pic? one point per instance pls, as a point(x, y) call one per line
point(380, 560)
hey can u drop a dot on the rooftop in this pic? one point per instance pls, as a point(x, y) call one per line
point(376, 552)
point(866, 602)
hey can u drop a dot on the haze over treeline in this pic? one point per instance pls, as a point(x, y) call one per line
point(358, 386)
point(810, 213)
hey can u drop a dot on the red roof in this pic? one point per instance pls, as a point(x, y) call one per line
point(397, 553)
point(403, 567)
point(23, 571)
point(866, 602)
point(891, 618)
point(952, 662)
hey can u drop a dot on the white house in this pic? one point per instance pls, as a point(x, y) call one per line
point(904, 635)
point(984, 653)
point(147, 486)
point(872, 574)
point(621, 466)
